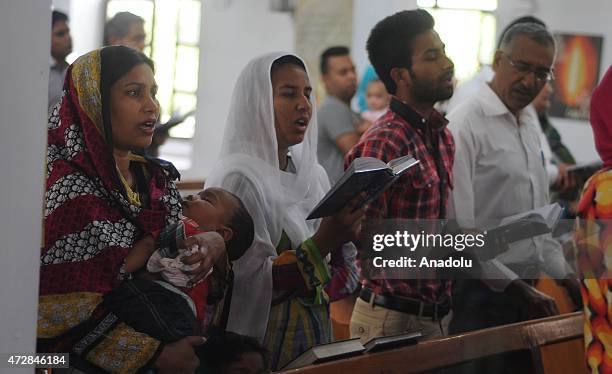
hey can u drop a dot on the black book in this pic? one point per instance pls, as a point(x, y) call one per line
point(583, 171)
point(393, 341)
point(592, 165)
point(364, 174)
point(524, 225)
point(327, 352)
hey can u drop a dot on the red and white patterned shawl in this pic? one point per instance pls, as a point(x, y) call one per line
point(89, 224)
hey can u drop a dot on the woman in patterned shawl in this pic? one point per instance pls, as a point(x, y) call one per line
point(102, 199)
point(594, 237)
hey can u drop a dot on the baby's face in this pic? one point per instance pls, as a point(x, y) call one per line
point(377, 96)
point(212, 208)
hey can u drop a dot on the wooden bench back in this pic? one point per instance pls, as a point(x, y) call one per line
point(551, 345)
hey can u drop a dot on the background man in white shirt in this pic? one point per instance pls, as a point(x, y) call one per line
point(61, 47)
point(499, 171)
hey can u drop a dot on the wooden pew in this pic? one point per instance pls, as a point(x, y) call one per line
point(548, 346)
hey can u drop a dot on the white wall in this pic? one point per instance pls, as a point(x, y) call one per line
point(233, 32)
point(366, 14)
point(588, 17)
point(62, 6)
point(86, 26)
point(23, 103)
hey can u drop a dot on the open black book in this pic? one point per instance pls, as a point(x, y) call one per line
point(364, 174)
point(327, 352)
point(524, 225)
point(393, 341)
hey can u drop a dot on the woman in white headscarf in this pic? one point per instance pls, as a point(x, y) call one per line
point(284, 282)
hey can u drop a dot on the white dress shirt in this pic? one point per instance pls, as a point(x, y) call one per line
point(499, 171)
point(57, 73)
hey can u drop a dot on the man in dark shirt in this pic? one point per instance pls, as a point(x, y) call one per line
point(409, 58)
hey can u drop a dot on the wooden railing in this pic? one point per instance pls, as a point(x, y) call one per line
point(190, 185)
point(549, 346)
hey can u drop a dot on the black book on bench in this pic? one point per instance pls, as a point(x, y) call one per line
point(393, 341)
point(364, 174)
point(327, 352)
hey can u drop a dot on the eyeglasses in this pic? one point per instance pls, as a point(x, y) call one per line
point(541, 74)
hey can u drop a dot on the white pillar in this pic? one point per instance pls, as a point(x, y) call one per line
point(25, 34)
point(233, 32)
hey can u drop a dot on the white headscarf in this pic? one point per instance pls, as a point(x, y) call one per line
point(277, 200)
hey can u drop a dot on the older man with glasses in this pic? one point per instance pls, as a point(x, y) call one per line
point(498, 172)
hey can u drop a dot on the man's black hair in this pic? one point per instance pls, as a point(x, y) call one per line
point(390, 42)
point(57, 16)
point(335, 51)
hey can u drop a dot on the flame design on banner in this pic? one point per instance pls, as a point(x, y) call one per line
point(576, 74)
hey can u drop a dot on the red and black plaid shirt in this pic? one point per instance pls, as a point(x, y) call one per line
point(421, 193)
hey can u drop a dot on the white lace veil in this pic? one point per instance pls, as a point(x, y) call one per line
point(277, 200)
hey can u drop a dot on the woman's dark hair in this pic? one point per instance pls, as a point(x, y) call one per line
point(286, 60)
point(116, 61)
point(390, 42)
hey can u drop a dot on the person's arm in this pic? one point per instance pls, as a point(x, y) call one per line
point(553, 263)
point(534, 303)
point(305, 269)
point(344, 273)
point(139, 254)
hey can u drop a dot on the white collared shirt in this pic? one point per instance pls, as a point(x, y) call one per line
point(57, 73)
point(499, 171)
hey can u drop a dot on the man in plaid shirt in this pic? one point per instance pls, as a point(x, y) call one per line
point(409, 58)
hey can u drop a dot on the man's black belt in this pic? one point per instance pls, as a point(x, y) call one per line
point(435, 311)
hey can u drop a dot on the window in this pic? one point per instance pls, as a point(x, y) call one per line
point(173, 30)
point(467, 27)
